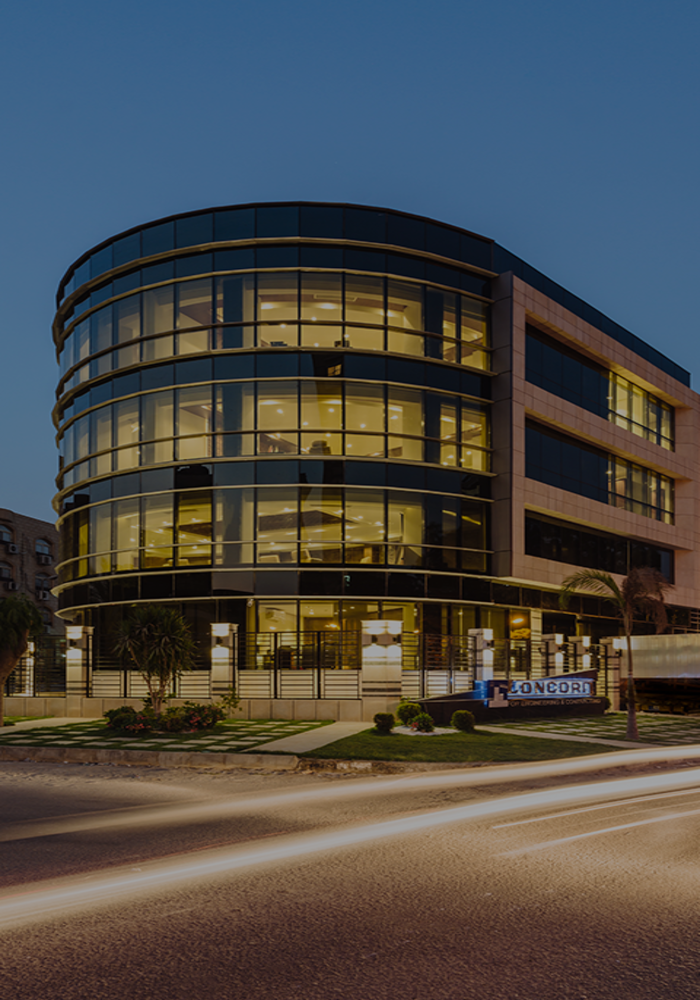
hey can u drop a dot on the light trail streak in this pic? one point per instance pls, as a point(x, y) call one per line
point(596, 833)
point(40, 903)
point(111, 819)
point(657, 797)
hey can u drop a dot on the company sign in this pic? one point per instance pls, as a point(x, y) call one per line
point(553, 687)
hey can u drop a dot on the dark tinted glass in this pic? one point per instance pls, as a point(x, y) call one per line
point(234, 366)
point(157, 377)
point(198, 370)
point(124, 486)
point(201, 263)
point(365, 473)
point(156, 480)
point(318, 220)
point(156, 586)
point(127, 249)
point(101, 294)
point(127, 282)
point(441, 240)
point(365, 226)
point(364, 366)
point(124, 385)
point(192, 584)
point(321, 583)
point(370, 584)
point(405, 585)
point(100, 393)
point(234, 224)
point(158, 272)
point(409, 267)
point(276, 582)
point(101, 261)
point(101, 490)
point(277, 256)
point(321, 257)
point(404, 232)
point(444, 587)
point(475, 251)
point(234, 474)
point(277, 365)
point(365, 260)
point(123, 589)
point(277, 472)
point(190, 477)
point(407, 476)
point(558, 370)
point(193, 230)
point(234, 260)
point(411, 372)
point(158, 239)
point(442, 275)
point(281, 221)
point(82, 274)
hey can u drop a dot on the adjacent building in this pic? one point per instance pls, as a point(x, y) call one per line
point(28, 550)
point(298, 418)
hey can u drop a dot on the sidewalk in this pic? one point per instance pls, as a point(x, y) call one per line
point(315, 738)
point(627, 744)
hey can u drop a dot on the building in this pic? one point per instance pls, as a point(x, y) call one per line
point(28, 549)
point(299, 419)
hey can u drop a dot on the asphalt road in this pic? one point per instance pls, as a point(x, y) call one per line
point(509, 883)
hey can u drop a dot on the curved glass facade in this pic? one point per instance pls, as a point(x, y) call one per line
point(293, 420)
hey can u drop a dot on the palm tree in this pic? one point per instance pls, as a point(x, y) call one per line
point(158, 641)
point(642, 590)
point(19, 620)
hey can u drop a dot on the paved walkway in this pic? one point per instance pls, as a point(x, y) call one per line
point(55, 720)
point(315, 738)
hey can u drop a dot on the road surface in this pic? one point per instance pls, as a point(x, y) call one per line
point(501, 883)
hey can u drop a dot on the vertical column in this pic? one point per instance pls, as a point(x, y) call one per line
point(223, 657)
point(381, 666)
point(77, 666)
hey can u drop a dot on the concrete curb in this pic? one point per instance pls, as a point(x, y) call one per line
point(149, 758)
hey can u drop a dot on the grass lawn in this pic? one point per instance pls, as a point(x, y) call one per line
point(452, 748)
point(11, 720)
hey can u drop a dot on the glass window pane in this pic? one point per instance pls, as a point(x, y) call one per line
point(193, 342)
point(101, 329)
point(405, 411)
point(277, 297)
point(405, 305)
point(321, 406)
point(158, 310)
point(157, 531)
point(235, 299)
point(277, 406)
point(126, 534)
point(405, 343)
point(405, 529)
point(363, 338)
point(235, 527)
point(277, 525)
point(101, 537)
point(321, 298)
point(194, 410)
point(160, 347)
point(82, 437)
point(315, 335)
point(364, 445)
point(194, 528)
point(235, 407)
point(127, 319)
point(364, 408)
point(364, 299)
point(157, 415)
point(194, 305)
point(321, 525)
point(364, 526)
point(474, 329)
point(101, 429)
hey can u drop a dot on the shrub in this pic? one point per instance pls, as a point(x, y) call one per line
point(463, 720)
point(423, 723)
point(384, 721)
point(184, 718)
point(126, 719)
point(407, 711)
point(606, 703)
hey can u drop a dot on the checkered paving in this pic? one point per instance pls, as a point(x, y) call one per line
point(664, 730)
point(228, 737)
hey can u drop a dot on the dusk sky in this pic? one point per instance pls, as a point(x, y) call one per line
point(566, 132)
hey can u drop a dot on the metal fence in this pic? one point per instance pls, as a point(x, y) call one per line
point(313, 665)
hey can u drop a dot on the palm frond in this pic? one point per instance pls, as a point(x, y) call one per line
point(595, 582)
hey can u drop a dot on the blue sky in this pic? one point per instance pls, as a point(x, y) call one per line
point(568, 133)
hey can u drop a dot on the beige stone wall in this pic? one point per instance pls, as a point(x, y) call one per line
point(516, 400)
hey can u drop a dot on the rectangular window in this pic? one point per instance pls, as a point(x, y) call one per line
point(194, 305)
point(278, 297)
point(321, 525)
point(194, 420)
point(157, 532)
point(365, 526)
point(277, 525)
point(126, 419)
point(235, 299)
point(126, 534)
point(101, 538)
point(158, 310)
point(157, 423)
point(101, 329)
point(405, 529)
point(364, 299)
point(127, 319)
point(194, 528)
point(235, 527)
